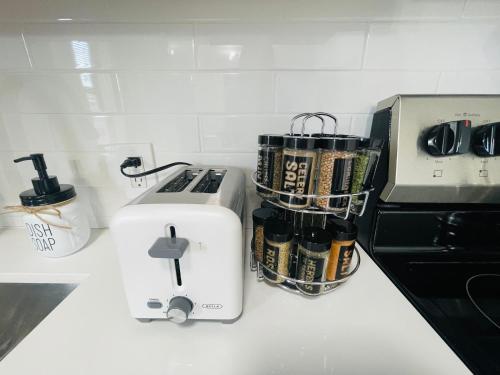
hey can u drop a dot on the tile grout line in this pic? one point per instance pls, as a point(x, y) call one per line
point(122, 102)
point(201, 146)
point(365, 46)
point(438, 82)
point(464, 7)
point(194, 32)
point(26, 50)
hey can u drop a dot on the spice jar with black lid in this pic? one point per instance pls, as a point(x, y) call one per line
point(278, 242)
point(298, 170)
point(335, 171)
point(259, 218)
point(344, 238)
point(313, 251)
point(269, 157)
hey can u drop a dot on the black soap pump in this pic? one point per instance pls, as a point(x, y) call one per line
point(46, 189)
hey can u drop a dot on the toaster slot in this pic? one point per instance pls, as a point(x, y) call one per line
point(210, 182)
point(179, 182)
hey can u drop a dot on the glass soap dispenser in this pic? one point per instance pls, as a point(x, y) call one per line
point(56, 222)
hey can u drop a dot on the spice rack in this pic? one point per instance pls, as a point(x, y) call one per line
point(313, 208)
point(293, 284)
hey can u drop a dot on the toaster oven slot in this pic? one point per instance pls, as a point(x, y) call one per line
point(179, 182)
point(210, 182)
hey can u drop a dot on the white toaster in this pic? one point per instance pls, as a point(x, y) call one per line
point(180, 246)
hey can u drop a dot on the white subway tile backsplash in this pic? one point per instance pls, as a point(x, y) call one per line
point(47, 132)
point(482, 8)
point(199, 80)
point(475, 82)
point(29, 133)
point(361, 125)
point(58, 93)
point(13, 55)
point(280, 46)
point(242, 92)
point(110, 46)
point(346, 92)
point(166, 132)
point(239, 133)
point(446, 46)
point(157, 92)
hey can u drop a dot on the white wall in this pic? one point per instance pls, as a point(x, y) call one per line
point(199, 79)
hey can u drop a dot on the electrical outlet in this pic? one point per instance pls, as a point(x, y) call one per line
point(117, 153)
point(138, 182)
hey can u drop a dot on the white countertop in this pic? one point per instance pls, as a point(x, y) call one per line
point(365, 326)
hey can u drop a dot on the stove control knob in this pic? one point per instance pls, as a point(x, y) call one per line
point(486, 140)
point(179, 309)
point(448, 138)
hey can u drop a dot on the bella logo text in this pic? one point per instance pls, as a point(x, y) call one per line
point(213, 306)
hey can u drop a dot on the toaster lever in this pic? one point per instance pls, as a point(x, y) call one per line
point(168, 247)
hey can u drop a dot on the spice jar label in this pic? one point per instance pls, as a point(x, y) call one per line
point(341, 184)
point(268, 169)
point(296, 178)
point(340, 261)
point(271, 257)
point(311, 270)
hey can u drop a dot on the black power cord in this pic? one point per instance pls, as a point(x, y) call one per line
point(135, 161)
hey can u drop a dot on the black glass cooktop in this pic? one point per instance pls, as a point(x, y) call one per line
point(459, 296)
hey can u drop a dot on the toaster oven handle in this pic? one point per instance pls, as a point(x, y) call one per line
point(168, 248)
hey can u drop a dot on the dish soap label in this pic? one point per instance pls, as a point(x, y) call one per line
point(41, 236)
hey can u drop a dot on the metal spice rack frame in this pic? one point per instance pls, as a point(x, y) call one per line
point(289, 283)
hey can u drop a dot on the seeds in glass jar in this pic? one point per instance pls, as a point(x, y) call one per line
point(335, 176)
point(259, 243)
point(277, 170)
point(276, 256)
point(325, 178)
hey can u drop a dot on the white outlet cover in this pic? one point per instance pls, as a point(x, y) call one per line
point(115, 154)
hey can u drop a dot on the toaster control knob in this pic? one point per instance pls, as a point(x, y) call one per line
point(449, 138)
point(179, 309)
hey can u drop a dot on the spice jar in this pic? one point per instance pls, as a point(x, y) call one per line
point(277, 245)
point(298, 170)
point(364, 168)
point(260, 216)
point(344, 237)
point(335, 171)
point(269, 156)
point(313, 250)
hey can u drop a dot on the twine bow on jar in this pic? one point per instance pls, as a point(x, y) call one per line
point(37, 211)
